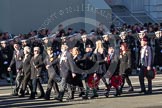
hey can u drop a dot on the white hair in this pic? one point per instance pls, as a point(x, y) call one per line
point(26, 48)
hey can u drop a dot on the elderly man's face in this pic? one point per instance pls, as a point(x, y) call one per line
point(84, 39)
point(123, 36)
point(106, 38)
point(16, 46)
point(49, 52)
point(63, 48)
point(24, 43)
point(158, 34)
point(36, 51)
point(3, 45)
point(45, 40)
point(26, 50)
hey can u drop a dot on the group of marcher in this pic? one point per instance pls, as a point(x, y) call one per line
point(81, 63)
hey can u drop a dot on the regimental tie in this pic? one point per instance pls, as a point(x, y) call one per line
point(108, 59)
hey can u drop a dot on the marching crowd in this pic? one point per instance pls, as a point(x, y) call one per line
point(80, 60)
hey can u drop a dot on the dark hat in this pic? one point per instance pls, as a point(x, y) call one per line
point(70, 29)
point(10, 40)
point(17, 42)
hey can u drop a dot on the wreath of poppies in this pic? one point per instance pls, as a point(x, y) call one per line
point(116, 81)
point(93, 82)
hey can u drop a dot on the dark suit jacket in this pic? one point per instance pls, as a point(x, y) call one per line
point(38, 62)
point(106, 45)
point(6, 55)
point(67, 66)
point(52, 64)
point(17, 59)
point(147, 57)
point(26, 65)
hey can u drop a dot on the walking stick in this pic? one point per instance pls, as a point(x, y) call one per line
point(11, 81)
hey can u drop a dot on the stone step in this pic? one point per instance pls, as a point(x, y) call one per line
point(130, 18)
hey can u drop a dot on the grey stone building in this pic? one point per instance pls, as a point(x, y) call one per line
point(23, 16)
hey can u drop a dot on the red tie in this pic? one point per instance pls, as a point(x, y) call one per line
point(108, 59)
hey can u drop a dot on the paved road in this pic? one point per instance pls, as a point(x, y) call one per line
point(126, 100)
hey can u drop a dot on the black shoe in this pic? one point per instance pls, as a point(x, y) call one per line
point(121, 90)
point(47, 98)
point(94, 96)
point(27, 93)
point(106, 94)
point(98, 88)
point(149, 92)
point(157, 68)
point(41, 96)
point(70, 98)
point(85, 97)
point(59, 99)
point(31, 98)
point(130, 89)
point(81, 94)
point(143, 91)
point(117, 93)
point(32, 95)
point(21, 96)
point(15, 94)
